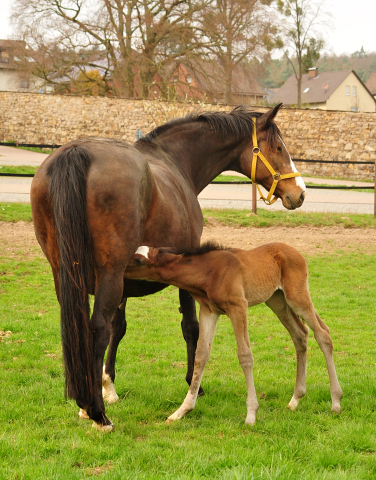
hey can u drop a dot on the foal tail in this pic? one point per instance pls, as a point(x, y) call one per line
point(68, 173)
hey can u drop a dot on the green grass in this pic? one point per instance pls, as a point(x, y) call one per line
point(12, 212)
point(36, 149)
point(19, 169)
point(42, 438)
point(296, 218)
point(33, 149)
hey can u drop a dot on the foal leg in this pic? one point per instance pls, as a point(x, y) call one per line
point(304, 308)
point(118, 329)
point(299, 335)
point(238, 317)
point(190, 328)
point(208, 322)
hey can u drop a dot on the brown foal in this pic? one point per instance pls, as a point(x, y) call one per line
point(228, 281)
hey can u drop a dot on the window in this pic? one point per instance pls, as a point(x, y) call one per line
point(189, 79)
point(347, 90)
point(354, 91)
point(4, 57)
point(306, 90)
point(24, 83)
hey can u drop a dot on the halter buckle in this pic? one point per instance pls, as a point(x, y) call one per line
point(256, 150)
point(276, 176)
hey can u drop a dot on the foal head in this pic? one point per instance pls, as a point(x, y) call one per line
point(142, 265)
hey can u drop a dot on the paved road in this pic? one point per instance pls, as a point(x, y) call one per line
point(16, 189)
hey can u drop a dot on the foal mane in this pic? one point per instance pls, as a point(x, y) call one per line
point(206, 247)
point(239, 122)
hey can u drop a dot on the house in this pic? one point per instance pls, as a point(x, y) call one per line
point(371, 84)
point(270, 92)
point(14, 77)
point(342, 90)
point(204, 81)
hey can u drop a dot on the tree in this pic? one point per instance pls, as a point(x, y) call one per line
point(237, 30)
point(301, 19)
point(127, 41)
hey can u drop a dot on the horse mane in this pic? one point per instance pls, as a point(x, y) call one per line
point(239, 122)
point(206, 247)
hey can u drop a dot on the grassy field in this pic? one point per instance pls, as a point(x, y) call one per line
point(41, 436)
point(17, 170)
point(12, 212)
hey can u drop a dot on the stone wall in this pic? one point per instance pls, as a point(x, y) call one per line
point(308, 134)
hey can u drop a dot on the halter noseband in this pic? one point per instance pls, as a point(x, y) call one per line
point(276, 176)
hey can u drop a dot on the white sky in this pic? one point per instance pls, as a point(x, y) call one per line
point(353, 25)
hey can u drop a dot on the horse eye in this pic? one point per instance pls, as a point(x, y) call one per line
point(279, 149)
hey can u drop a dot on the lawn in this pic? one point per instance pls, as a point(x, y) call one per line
point(12, 212)
point(42, 438)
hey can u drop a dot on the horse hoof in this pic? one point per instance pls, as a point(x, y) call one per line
point(103, 428)
point(201, 392)
point(110, 399)
point(82, 414)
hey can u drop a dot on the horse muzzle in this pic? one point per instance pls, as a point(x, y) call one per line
point(291, 201)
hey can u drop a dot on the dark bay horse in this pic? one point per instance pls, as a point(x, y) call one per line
point(228, 281)
point(95, 201)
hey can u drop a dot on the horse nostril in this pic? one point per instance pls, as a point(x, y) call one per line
point(302, 196)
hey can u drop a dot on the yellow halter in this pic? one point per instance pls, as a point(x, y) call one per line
point(276, 176)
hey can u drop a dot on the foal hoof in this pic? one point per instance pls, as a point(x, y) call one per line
point(335, 409)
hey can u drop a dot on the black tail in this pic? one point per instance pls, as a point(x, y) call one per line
point(68, 174)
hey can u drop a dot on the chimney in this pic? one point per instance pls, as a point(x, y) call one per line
point(313, 72)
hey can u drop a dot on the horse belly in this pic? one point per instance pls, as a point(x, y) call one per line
point(175, 218)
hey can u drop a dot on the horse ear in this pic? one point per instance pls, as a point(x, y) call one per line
point(267, 117)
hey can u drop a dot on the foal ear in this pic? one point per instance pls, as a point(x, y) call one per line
point(267, 117)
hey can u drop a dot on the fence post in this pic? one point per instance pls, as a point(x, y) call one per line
point(254, 198)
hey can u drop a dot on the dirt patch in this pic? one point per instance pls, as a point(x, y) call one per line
point(17, 240)
point(308, 240)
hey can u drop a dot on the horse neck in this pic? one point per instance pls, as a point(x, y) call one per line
point(201, 154)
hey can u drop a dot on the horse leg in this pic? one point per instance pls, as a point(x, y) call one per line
point(238, 317)
point(302, 305)
point(118, 329)
point(108, 296)
point(190, 328)
point(299, 335)
point(208, 322)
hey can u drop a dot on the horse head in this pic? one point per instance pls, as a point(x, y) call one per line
point(267, 162)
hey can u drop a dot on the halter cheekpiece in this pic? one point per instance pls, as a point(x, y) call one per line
point(275, 175)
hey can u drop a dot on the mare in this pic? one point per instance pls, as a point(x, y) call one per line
point(228, 281)
point(95, 201)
